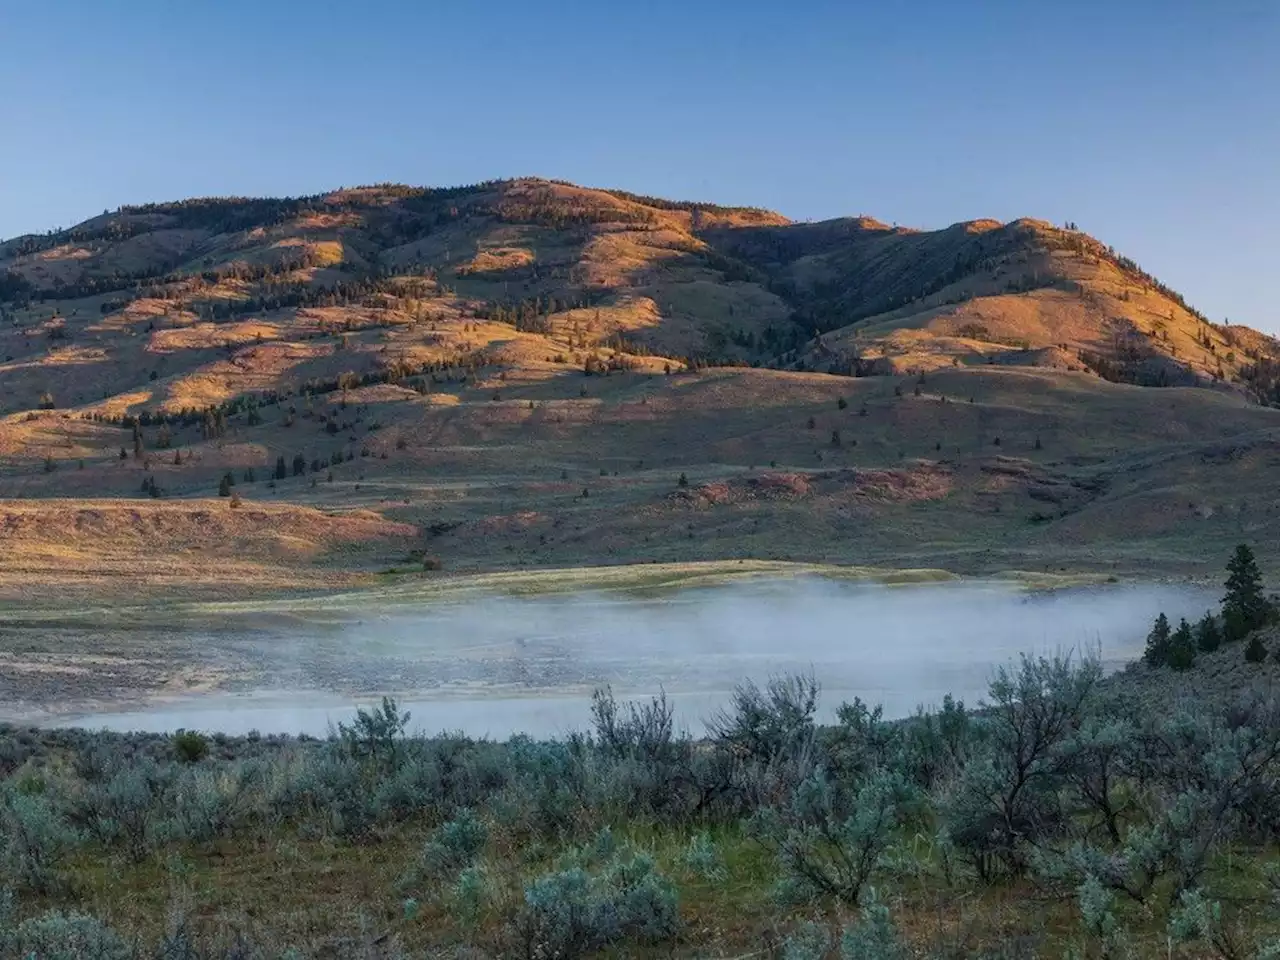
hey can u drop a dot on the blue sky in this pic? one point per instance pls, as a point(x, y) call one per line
point(1154, 125)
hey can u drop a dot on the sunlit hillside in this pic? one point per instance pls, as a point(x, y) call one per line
point(531, 373)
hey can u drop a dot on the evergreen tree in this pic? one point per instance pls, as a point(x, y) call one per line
point(1244, 606)
point(224, 485)
point(1208, 637)
point(282, 469)
point(1182, 648)
point(1157, 651)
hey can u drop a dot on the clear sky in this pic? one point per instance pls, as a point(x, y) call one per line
point(1154, 124)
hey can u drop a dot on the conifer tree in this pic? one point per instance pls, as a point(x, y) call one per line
point(1182, 648)
point(1244, 608)
point(1208, 637)
point(1157, 651)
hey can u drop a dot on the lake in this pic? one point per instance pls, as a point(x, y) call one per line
point(497, 666)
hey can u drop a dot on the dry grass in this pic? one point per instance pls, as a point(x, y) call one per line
point(493, 462)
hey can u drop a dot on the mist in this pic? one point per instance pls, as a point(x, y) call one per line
point(498, 666)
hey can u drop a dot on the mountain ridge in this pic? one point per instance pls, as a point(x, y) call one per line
point(530, 373)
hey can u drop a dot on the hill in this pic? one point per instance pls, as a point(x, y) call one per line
point(531, 373)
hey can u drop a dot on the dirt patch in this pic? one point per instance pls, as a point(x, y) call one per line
point(925, 481)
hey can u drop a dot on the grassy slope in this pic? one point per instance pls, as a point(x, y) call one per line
point(508, 457)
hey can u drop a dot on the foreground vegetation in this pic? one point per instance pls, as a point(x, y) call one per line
point(1064, 816)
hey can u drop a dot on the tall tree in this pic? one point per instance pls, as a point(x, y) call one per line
point(1157, 651)
point(1182, 647)
point(1245, 607)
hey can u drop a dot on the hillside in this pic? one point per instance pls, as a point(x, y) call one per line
point(530, 373)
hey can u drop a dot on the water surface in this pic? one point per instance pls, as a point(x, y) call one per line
point(498, 666)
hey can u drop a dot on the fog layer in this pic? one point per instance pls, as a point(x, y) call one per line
point(500, 666)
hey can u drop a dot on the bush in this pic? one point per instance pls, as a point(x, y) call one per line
point(1255, 651)
point(810, 941)
point(453, 847)
point(874, 936)
point(376, 735)
point(830, 840)
point(570, 913)
point(34, 840)
point(206, 804)
point(768, 725)
point(70, 936)
point(190, 746)
point(124, 809)
point(703, 859)
point(1007, 796)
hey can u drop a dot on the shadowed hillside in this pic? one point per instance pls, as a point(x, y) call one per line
point(528, 372)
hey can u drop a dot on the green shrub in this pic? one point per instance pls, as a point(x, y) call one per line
point(190, 746)
point(874, 936)
point(1255, 651)
point(703, 859)
point(830, 840)
point(34, 841)
point(570, 913)
point(69, 936)
point(809, 941)
point(454, 846)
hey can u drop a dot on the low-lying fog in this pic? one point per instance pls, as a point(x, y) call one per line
point(500, 666)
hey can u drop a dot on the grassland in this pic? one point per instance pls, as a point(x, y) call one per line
point(765, 840)
point(514, 377)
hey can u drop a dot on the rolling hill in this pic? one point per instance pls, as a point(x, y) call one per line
point(531, 373)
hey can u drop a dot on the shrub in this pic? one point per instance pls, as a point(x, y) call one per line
point(123, 809)
point(33, 842)
point(1007, 796)
point(208, 803)
point(1255, 651)
point(703, 859)
point(809, 941)
point(69, 936)
point(830, 840)
point(190, 746)
point(376, 734)
point(570, 913)
point(874, 936)
point(453, 847)
point(768, 724)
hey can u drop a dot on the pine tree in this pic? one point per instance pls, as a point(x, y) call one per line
point(282, 469)
point(1182, 648)
point(1157, 651)
point(224, 485)
point(1208, 637)
point(1244, 607)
